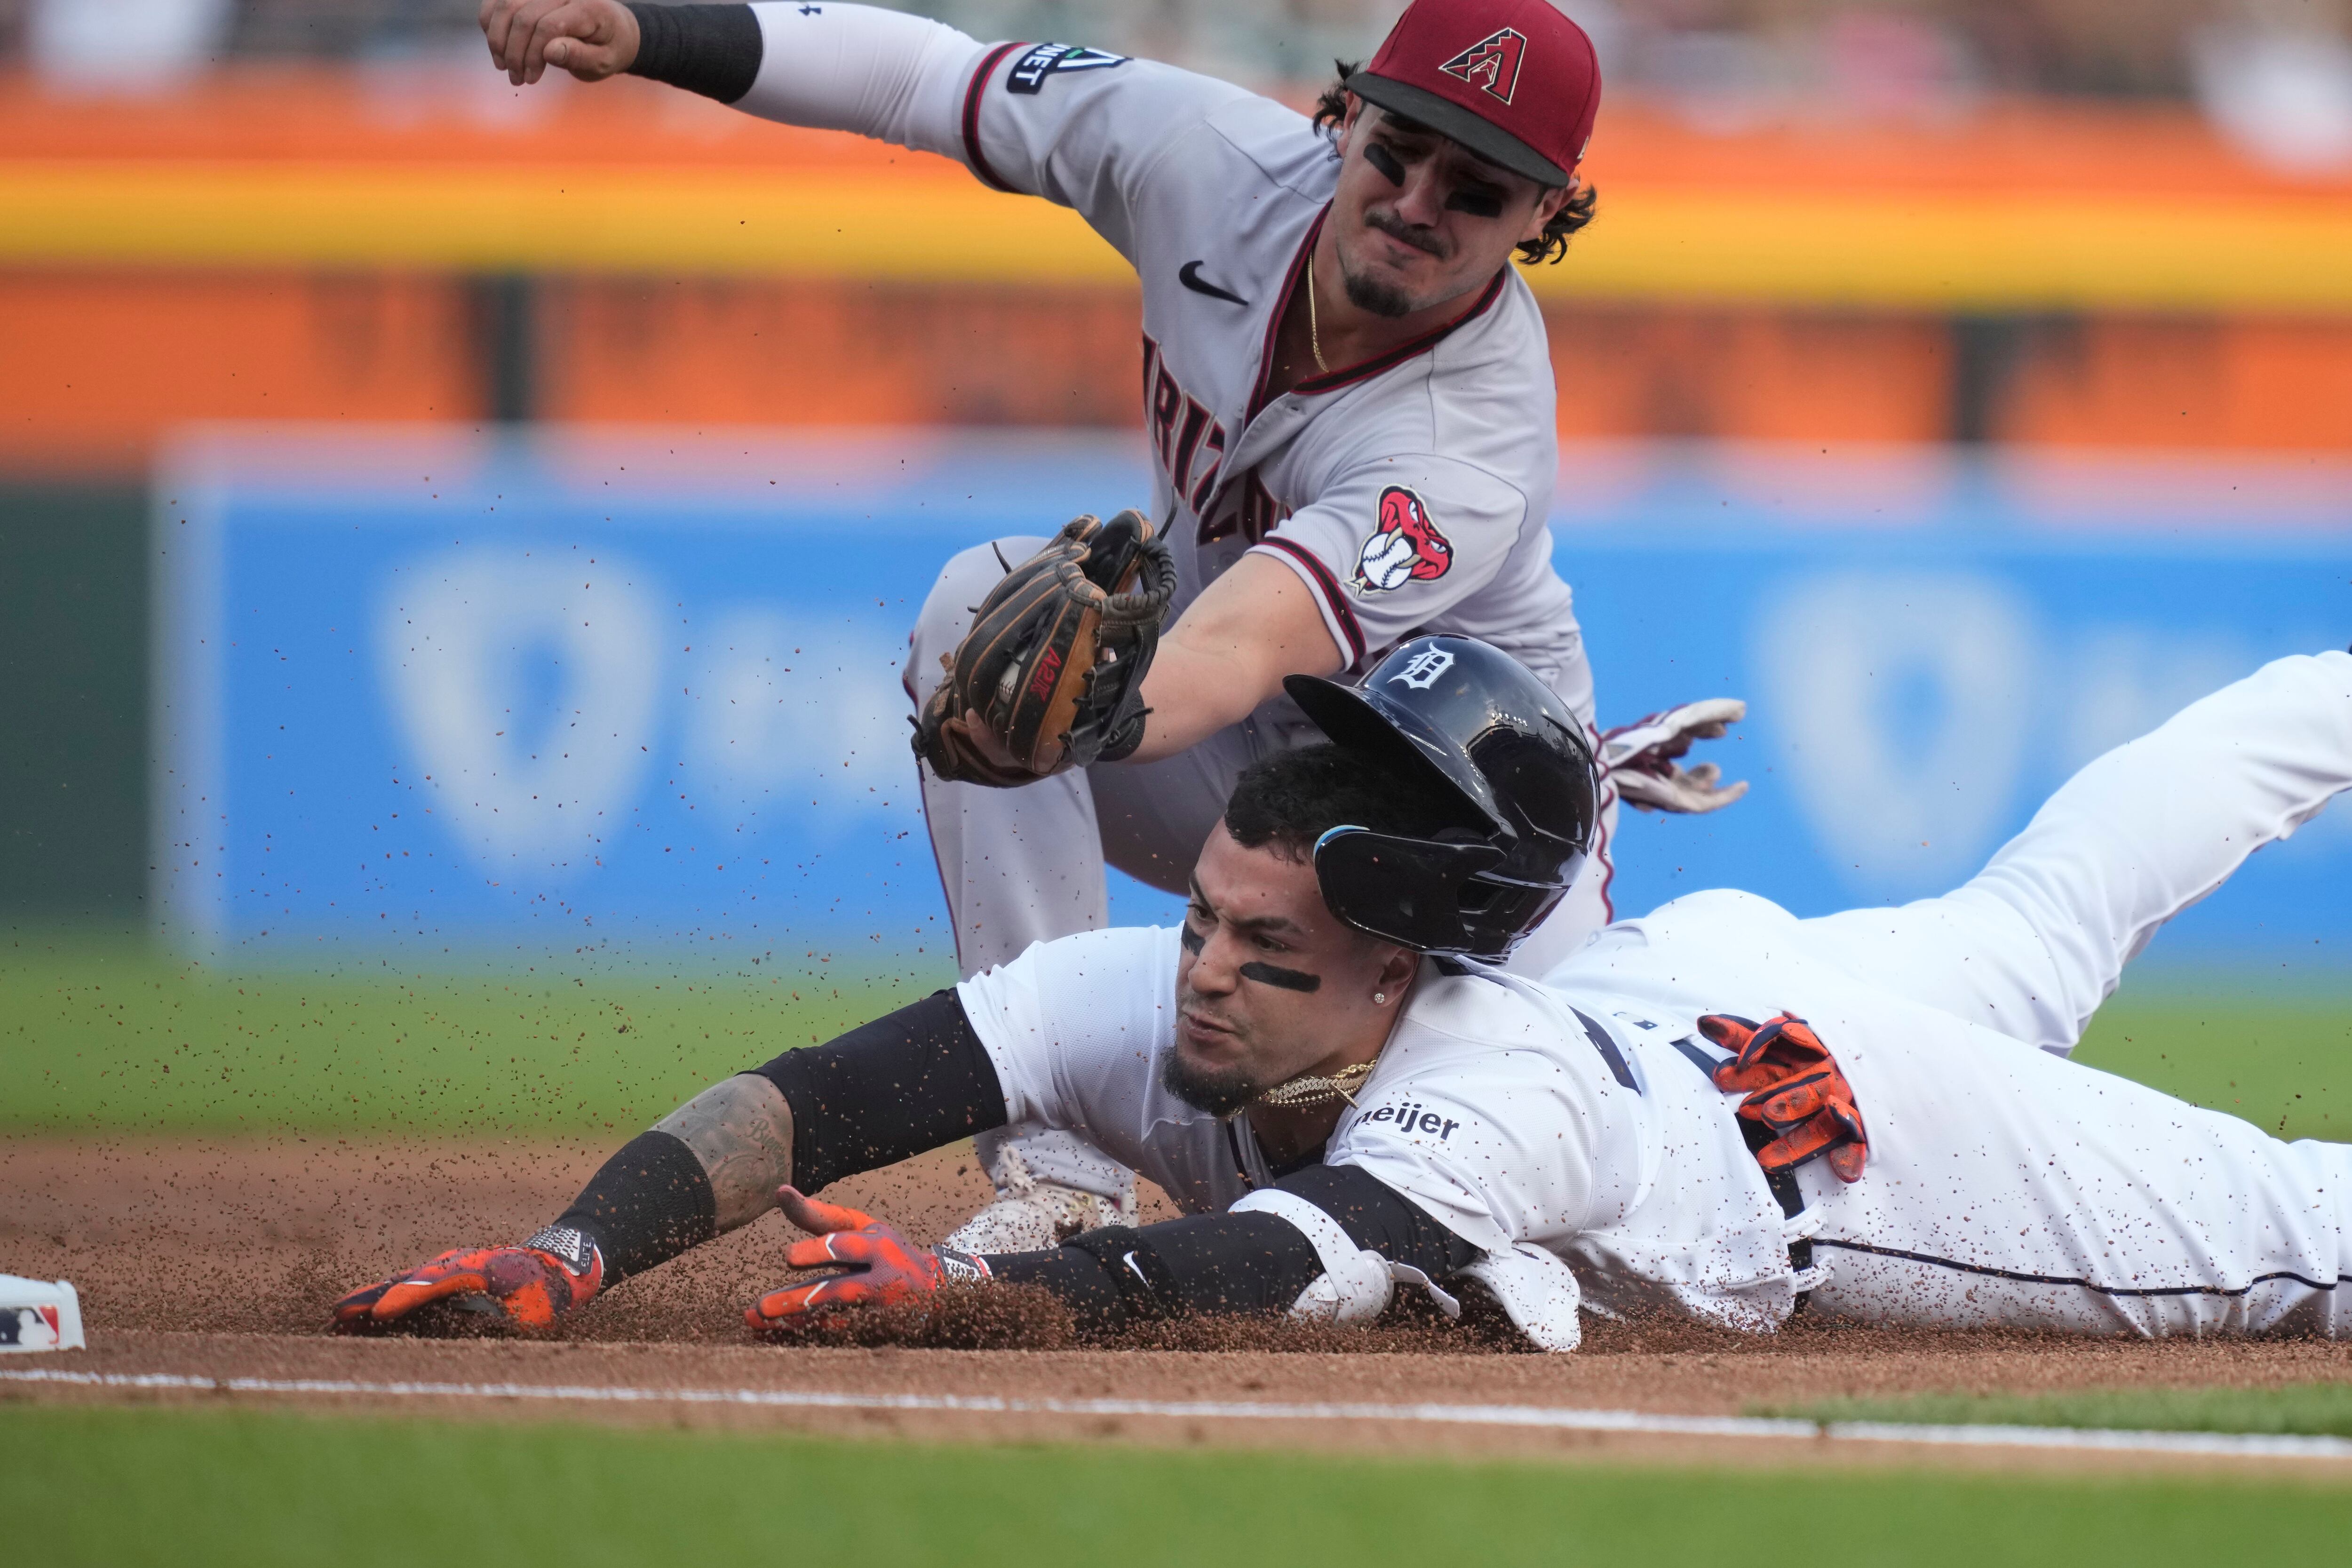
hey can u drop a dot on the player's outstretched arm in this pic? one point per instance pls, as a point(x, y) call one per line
point(1329, 1243)
point(811, 1116)
point(593, 39)
point(1228, 653)
point(710, 1165)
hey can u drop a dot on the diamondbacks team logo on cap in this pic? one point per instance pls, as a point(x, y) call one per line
point(1492, 63)
point(1408, 547)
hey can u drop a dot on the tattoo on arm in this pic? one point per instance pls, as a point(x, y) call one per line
point(741, 1131)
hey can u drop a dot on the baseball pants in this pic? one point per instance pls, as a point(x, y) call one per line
point(2007, 1186)
point(2032, 944)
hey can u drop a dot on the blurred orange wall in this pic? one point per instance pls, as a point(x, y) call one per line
point(2281, 384)
point(93, 370)
point(100, 355)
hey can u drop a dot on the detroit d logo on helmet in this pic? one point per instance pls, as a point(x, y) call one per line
point(1492, 63)
point(1407, 548)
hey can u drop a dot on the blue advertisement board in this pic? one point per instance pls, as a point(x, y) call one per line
point(591, 691)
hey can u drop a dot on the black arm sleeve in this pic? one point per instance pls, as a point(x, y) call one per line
point(1210, 1263)
point(1379, 1219)
point(1248, 1262)
point(714, 50)
point(887, 1090)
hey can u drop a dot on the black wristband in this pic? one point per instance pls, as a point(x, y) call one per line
point(1125, 1257)
point(1076, 1277)
point(714, 50)
point(1126, 736)
point(649, 1202)
point(1203, 1264)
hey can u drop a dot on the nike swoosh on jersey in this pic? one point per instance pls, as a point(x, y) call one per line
point(1190, 276)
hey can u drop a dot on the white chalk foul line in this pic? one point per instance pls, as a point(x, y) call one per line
point(2238, 1445)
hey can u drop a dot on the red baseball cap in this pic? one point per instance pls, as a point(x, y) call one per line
point(1513, 81)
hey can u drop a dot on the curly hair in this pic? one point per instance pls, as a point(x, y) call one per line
point(1332, 108)
point(1292, 799)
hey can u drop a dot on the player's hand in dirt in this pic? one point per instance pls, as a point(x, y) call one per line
point(528, 1286)
point(1644, 758)
point(591, 38)
point(876, 1265)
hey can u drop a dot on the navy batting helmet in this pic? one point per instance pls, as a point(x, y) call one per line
point(1474, 721)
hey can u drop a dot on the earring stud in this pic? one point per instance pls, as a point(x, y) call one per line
point(1380, 998)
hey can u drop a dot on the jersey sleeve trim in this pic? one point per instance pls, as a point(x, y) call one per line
point(1336, 609)
point(971, 99)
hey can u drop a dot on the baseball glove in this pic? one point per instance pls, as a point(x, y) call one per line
point(1051, 674)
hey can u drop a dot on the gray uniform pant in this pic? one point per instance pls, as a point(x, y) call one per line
point(1022, 866)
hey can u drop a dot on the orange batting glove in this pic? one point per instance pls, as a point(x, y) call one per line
point(530, 1286)
point(879, 1264)
point(1794, 1089)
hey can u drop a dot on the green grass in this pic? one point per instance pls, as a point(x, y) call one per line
point(112, 1034)
point(99, 1033)
point(2305, 1409)
point(2282, 1063)
point(132, 1487)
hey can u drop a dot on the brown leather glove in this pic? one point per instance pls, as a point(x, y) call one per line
point(1051, 674)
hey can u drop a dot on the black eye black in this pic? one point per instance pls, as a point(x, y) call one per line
point(1380, 158)
point(1477, 203)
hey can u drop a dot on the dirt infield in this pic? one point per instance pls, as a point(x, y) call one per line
point(219, 1259)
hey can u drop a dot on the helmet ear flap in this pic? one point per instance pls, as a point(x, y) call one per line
point(1411, 891)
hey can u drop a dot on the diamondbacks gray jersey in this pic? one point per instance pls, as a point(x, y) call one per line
point(1410, 493)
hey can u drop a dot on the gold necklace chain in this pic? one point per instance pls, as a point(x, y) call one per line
point(1340, 1084)
point(1314, 337)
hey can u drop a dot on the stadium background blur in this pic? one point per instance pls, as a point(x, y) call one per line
point(1966, 383)
point(2002, 352)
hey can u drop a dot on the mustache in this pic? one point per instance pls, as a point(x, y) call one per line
point(1404, 233)
point(1190, 1001)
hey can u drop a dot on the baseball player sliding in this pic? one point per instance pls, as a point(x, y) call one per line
point(1718, 1110)
point(1347, 394)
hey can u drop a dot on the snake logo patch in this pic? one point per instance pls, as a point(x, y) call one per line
point(1407, 548)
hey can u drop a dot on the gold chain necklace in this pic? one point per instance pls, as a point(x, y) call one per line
point(1315, 344)
point(1340, 1084)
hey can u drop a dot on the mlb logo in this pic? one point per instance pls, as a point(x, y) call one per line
point(39, 1315)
